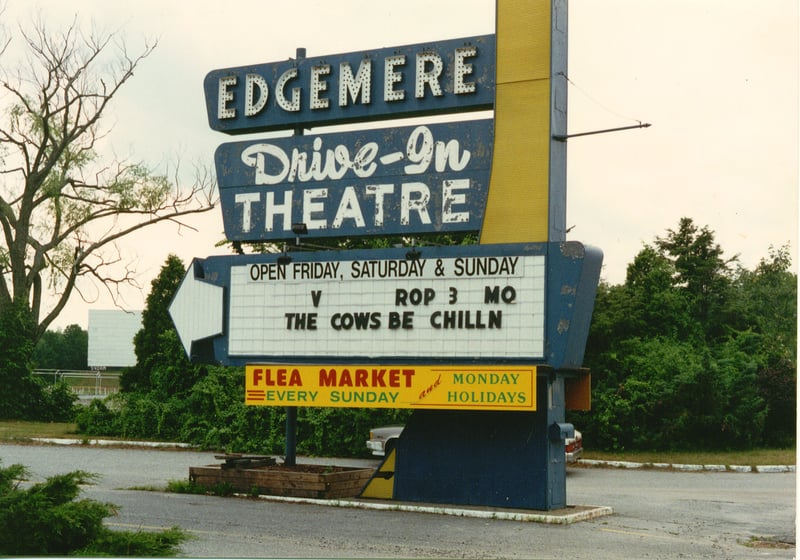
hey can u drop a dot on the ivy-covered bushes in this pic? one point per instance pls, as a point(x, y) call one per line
point(693, 352)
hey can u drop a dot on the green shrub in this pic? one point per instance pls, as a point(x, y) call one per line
point(48, 519)
point(98, 419)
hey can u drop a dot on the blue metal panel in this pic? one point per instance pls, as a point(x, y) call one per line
point(495, 459)
point(370, 182)
point(573, 274)
point(274, 117)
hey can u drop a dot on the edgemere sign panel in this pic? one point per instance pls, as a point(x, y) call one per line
point(456, 75)
point(487, 306)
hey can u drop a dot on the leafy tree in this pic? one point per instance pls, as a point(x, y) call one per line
point(67, 349)
point(700, 271)
point(765, 313)
point(690, 353)
point(62, 207)
point(160, 359)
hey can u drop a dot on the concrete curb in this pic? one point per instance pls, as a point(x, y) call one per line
point(113, 442)
point(584, 462)
point(690, 468)
point(560, 517)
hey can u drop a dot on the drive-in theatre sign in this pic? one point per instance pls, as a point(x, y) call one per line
point(495, 326)
point(406, 180)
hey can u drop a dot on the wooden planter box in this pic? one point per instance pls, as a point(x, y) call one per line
point(300, 481)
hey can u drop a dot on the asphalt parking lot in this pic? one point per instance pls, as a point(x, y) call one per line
point(656, 513)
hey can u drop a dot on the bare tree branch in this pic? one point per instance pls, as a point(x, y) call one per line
point(61, 206)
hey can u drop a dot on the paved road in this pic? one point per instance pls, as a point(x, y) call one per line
point(657, 514)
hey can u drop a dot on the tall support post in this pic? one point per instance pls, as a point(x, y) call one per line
point(290, 457)
point(290, 453)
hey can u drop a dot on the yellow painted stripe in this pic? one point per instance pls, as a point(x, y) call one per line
point(518, 202)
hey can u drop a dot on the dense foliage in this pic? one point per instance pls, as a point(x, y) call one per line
point(24, 397)
point(67, 349)
point(693, 351)
point(48, 519)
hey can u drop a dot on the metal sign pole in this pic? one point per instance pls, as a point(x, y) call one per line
point(290, 455)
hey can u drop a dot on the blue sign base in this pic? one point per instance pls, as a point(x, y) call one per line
point(497, 459)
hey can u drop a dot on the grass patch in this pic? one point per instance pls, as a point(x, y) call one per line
point(748, 457)
point(11, 430)
point(191, 487)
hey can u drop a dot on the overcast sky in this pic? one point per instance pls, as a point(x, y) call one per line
point(718, 80)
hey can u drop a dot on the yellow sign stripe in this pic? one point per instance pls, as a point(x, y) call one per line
point(392, 386)
point(518, 202)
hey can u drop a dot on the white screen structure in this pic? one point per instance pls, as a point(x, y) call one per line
point(111, 333)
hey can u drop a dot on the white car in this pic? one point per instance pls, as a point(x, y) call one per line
point(382, 440)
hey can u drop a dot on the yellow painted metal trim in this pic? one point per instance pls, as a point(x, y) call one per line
point(518, 202)
point(381, 485)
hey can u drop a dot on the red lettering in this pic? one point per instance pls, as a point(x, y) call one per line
point(295, 380)
point(257, 375)
point(345, 379)
point(377, 378)
point(327, 378)
point(361, 378)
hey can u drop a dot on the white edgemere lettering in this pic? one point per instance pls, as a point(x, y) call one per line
point(355, 85)
point(225, 96)
point(253, 106)
point(463, 68)
point(293, 105)
point(430, 77)
point(391, 77)
point(319, 85)
point(352, 89)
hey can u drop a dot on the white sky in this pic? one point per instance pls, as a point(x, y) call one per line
point(718, 80)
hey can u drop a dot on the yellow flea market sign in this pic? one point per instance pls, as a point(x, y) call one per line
point(393, 386)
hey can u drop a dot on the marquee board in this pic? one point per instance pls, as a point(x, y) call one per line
point(510, 303)
point(485, 303)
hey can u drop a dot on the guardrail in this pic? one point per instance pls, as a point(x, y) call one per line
point(85, 384)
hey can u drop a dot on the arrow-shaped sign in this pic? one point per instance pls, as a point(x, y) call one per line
point(196, 308)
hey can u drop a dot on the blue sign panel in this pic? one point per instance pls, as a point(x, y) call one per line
point(423, 179)
point(448, 76)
